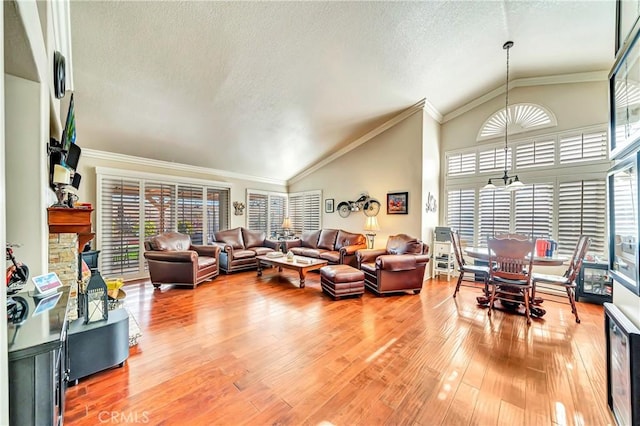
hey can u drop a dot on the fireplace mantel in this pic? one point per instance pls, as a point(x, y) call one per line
point(71, 221)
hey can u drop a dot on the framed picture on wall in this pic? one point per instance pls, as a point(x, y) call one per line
point(329, 205)
point(398, 203)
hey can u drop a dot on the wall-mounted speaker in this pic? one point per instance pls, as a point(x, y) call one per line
point(59, 74)
point(73, 156)
point(75, 182)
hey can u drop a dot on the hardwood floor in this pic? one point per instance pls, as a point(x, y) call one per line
point(259, 351)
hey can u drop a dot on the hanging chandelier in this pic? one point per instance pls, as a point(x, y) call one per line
point(511, 183)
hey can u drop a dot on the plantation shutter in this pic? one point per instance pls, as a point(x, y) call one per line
point(461, 213)
point(626, 216)
point(581, 207)
point(217, 211)
point(191, 212)
point(533, 210)
point(536, 154)
point(277, 213)
point(304, 211)
point(583, 147)
point(461, 164)
point(119, 211)
point(159, 208)
point(492, 160)
point(257, 211)
point(495, 213)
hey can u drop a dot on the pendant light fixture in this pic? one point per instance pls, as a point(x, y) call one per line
point(511, 183)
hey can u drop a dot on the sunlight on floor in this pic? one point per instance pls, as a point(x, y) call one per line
point(381, 350)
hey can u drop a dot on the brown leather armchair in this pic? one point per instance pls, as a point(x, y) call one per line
point(399, 267)
point(173, 259)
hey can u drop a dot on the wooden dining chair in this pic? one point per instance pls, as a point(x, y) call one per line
point(511, 259)
point(549, 284)
point(464, 268)
point(520, 237)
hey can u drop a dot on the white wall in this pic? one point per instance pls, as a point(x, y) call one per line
point(390, 162)
point(431, 153)
point(575, 105)
point(26, 171)
point(4, 365)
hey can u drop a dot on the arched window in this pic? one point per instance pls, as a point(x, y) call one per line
point(521, 118)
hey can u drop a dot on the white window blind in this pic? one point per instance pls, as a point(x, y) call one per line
point(277, 212)
point(625, 188)
point(583, 147)
point(217, 211)
point(495, 213)
point(536, 154)
point(533, 210)
point(461, 164)
point(304, 211)
point(191, 212)
point(581, 207)
point(159, 208)
point(492, 160)
point(461, 213)
point(120, 211)
point(266, 211)
point(257, 211)
point(127, 205)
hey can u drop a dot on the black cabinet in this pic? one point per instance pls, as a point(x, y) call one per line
point(98, 345)
point(594, 283)
point(38, 362)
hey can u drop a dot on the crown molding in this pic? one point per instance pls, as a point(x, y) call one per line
point(585, 77)
point(432, 111)
point(130, 159)
point(419, 106)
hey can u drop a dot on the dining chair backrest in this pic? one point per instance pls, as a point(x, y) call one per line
point(582, 246)
point(520, 237)
point(512, 258)
point(457, 248)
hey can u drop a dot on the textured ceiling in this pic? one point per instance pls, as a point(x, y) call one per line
point(268, 89)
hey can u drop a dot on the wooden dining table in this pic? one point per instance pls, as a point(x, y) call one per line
point(482, 253)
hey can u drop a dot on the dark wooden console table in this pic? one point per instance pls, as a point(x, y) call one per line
point(37, 352)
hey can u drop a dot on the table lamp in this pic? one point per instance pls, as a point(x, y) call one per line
point(286, 226)
point(371, 225)
point(61, 178)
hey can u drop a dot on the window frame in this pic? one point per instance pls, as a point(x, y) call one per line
point(142, 178)
point(554, 174)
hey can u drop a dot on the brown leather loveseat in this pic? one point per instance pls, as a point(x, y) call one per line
point(240, 246)
point(173, 259)
point(334, 245)
point(399, 267)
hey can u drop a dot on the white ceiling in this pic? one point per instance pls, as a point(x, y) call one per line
point(268, 89)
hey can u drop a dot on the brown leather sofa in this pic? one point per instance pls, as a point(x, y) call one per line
point(334, 245)
point(399, 267)
point(240, 246)
point(172, 259)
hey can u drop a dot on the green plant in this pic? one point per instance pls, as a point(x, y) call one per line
point(185, 227)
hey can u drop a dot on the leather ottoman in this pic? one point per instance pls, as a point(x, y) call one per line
point(341, 280)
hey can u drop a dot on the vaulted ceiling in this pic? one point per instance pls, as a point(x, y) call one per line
point(268, 89)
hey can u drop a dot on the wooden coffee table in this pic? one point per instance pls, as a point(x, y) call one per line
point(299, 264)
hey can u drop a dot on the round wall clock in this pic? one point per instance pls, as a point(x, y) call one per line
point(59, 74)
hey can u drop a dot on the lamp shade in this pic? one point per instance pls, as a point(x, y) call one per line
point(286, 223)
point(61, 174)
point(371, 224)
